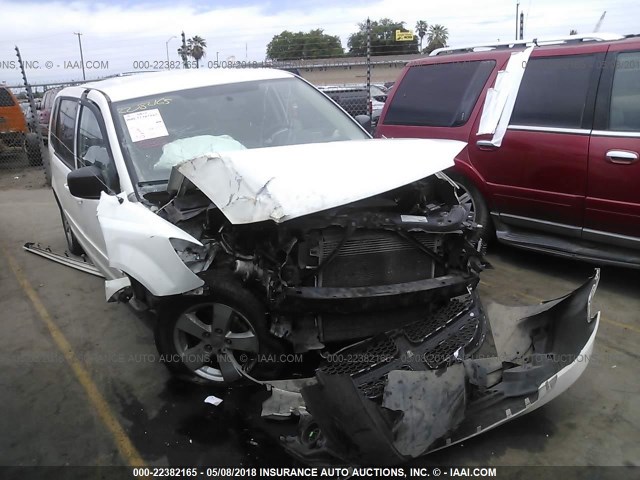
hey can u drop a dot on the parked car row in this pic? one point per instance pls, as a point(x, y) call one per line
point(356, 99)
point(45, 105)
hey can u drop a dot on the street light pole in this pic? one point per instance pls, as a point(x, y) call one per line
point(81, 57)
point(517, 10)
point(167, 45)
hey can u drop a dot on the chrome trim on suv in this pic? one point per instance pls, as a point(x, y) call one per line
point(576, 131)
point(608, 133)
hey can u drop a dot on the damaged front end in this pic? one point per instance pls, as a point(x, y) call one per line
point(343, 274)
point(370, 276)
point(257, 262)
point(381, 292)
point(439, 380)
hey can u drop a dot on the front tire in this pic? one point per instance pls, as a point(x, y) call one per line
point(207, 338)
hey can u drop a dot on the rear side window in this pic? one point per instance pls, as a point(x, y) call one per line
point(553, 92)
point(5, 98)
point(64, 130)
point(438, 95)
point(624, 114)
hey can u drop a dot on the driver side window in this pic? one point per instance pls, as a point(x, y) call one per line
point(93, 148)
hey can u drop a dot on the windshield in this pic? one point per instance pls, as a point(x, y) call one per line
point(160, 131)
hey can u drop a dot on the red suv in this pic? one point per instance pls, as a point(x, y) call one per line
point(566, 178)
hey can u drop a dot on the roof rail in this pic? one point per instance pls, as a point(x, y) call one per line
point(586, 37)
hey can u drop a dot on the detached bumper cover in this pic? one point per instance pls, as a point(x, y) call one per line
point(422, 393)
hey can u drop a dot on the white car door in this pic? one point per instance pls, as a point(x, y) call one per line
point(93, 149)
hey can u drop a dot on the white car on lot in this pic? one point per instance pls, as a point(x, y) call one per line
point(258, 220)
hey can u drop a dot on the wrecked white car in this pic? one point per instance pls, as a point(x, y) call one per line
point(258, 220)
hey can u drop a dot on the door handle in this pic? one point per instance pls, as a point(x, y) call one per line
point(485, 145)
point(622, 157)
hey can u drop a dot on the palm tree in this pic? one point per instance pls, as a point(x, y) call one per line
point(196, 46)
point(438, 36)
point(421, 30)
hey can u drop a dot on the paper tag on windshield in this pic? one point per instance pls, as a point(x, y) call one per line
point(145, 125)
point(413, 219)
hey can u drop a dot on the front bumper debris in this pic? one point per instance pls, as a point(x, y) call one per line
point(460, 372)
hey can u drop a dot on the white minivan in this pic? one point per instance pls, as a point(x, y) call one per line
point(275, 239)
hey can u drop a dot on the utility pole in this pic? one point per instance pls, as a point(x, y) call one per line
point(369, 105)
point(517, 9)
point(167, 45)
point(81, 57)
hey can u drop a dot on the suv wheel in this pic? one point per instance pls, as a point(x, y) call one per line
point(207, 339)
point(471, 199)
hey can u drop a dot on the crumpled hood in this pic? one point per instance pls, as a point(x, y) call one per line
point(282, 183)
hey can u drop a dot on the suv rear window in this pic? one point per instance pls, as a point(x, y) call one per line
point(624, 115)
point(5, 98)
point(553, 92)
point(438, 95)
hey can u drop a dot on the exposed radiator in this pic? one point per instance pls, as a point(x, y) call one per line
point(375, 258)
point(375, 242)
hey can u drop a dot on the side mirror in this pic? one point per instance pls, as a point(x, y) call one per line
point(365, 121)
point(86, 182)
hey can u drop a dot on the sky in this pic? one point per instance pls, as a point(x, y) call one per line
point(122, 35)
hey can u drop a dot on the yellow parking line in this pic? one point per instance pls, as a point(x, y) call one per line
point(122, 440)
point(633, 328)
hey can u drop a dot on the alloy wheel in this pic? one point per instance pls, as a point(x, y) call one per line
point(214, 341)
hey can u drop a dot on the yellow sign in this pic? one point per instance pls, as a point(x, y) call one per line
point(403, 36)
